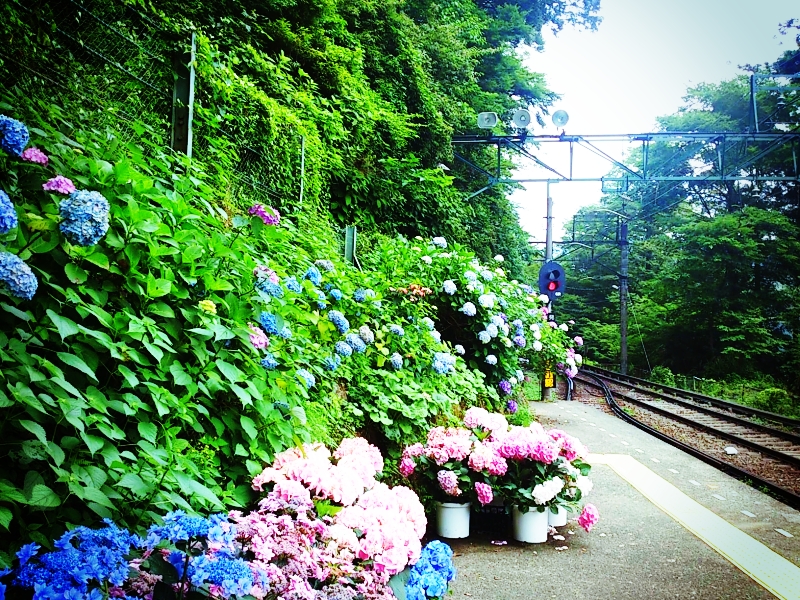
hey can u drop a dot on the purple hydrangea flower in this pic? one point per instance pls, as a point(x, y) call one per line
point(511, 406)
point(35, 155)
point(59, 184)
point(505, 387)
point(273, 217)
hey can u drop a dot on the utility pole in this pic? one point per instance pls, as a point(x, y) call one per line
point(623, 298)
point(548, 392)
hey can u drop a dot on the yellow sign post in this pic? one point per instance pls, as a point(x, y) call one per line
point(549, 379)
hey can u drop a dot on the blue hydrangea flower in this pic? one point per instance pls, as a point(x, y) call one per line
point(397, 361)
point(492, 330)
point(307, 378)
point(484, 337)
point(343, 349)
point(14, 135)
point(84, 217)
point(520, 375)
point(356, 343)
point(270, 288)
point(17, 277)
point(397, 330)
point(491, 359)
point(369, 294)
point(470, 276)
point(292, 285)
point(269, 322)
point(269, 361)
point(339, 320)
point(332, 362)
point(313, 275)
point(437, 337)
point(377, 304)
point(8, 216)
point(439, 242)
point(520, 341)
point(428, 322)
point(285, 333)
point(497, 320)
point(443, 363)
point(449, 287)
point(233, 575)
point(517, 323)
point(336, 294)
point(459, 349)
point(178, 527)
point(360, 295)
point(430, 576)
point(526, 288)
point(469, 309)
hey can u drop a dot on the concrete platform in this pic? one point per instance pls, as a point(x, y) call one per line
point(638, 550)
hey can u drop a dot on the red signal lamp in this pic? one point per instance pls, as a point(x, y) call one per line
point(552, 286)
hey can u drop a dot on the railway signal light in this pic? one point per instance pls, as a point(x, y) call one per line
point(552, 280)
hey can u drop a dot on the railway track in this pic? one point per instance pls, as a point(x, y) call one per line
point(753, 445)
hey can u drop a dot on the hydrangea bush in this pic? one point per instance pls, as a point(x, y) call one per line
point(486, 458)
point(325, 529)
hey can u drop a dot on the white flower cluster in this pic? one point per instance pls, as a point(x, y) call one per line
point(439, 242)
point(544, 492)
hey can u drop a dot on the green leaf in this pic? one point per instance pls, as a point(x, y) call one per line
point(66, 327)
point(232, 373)
point(249, 427)
point(134, 483)
point(94, 495)
point(15, 311)
point(74, 361)
point(196, 488)
point(43, 497)
point(130, 377)
point(94, 443)
point(35, 429)
point(162, 310)
point(181, 377)
point(148, 431)
point(56, 453)
point(99, 259)
point(157, 287)
point(5, 516)
point(75, 273)
point(154, 350)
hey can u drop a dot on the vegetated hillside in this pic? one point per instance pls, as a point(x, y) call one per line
point(159, 364)
point(713, 265)
point(372, 91)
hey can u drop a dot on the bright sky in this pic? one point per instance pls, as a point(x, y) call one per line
point(634, 68)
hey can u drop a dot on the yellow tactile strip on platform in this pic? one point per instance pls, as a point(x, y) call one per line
point(771, 570)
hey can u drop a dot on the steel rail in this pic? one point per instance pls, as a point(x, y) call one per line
point(718, 402)
point(778, 491)
point(711, 429)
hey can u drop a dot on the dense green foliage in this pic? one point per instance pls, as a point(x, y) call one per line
point(714, 266)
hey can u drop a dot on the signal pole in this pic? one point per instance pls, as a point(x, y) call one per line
point(623, 298)
point(548, 393)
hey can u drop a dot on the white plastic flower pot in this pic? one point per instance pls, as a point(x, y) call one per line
point(558, 519)
point(530, 527)
point(452, 520)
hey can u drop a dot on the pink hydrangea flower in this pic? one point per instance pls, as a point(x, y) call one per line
point(414, 450)
point(448, 481)
point(258, 338)
point(262, 272)
point(578, 340)
point(407, 466)
point(59, 184)
point(35, 155)
point(589, 517)
point(484, 491)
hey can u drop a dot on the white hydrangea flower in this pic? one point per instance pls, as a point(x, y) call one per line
point(491, 359)
point(520, 375)
point(512, 380)
point(537, 335)
point(504, 328)
point(499, 258)
point(486, 300)
point(484, 337)
point(459, 349)
point(470, 276)
point(584, 484)
point(449, 287)
point(543, 298)
point(564, 327)
point(437, 337)
point(497, 320)
point(578, 359)
point(500, 272)
point(487, 275)
point(427, 260)
point(544, 492)
point(491, 329)
point(537, 345)
point(534, 327)
point(507, 342)
point(439, 242)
